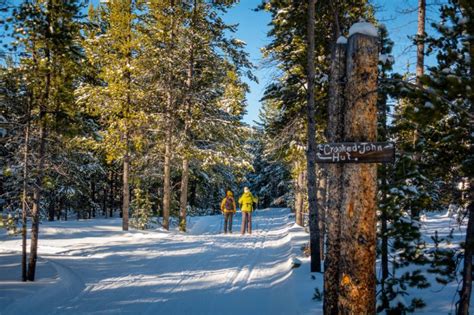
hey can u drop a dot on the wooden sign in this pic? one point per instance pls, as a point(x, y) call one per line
point(355, 152)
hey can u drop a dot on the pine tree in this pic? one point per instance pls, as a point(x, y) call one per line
point(398, 231)
point(205, 36)
point(116, 98)
point(141, 210)
point(271, 179)
point(448, 112)
point(47, 34)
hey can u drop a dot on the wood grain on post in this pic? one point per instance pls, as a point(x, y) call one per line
point(333, 227)
point(358, 212)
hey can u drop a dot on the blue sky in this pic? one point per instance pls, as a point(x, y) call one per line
point(253, 28)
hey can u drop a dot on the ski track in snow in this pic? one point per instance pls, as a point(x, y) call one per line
point(92, 267)
point(106, 271)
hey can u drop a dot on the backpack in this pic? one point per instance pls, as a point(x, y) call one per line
point(229, 203)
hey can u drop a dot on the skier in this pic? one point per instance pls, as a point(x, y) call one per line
point(246, 202)
point(228, 209)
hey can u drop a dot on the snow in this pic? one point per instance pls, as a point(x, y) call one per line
point(238, 42)
point(364, 28)
point(341, 40)
point(446, 70)
point(463, 20)
point(384, 58)
point(92, 267)
point(429, 105)
point(295, 262)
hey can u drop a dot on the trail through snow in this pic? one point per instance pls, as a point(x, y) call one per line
point(91, 267)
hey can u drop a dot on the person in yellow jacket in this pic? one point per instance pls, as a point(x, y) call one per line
point(228, 209)
point(246, 202)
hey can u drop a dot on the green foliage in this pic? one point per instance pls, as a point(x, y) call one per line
point(444, 259)
point(433, 130)
point(9, 221)
point(317, 295)
point(401, 308)
point(141, 210)
point(270, 180)
point(403, 192)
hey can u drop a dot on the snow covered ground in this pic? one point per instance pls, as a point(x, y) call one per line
point(92, 267)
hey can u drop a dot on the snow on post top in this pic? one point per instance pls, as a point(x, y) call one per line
point(363, 27)
point(341, 40)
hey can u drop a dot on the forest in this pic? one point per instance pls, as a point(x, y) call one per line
point(130, 113)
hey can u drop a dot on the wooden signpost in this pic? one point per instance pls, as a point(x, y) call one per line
point(356, 152)
point(350, 278)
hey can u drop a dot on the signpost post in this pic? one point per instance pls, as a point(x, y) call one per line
point(350, 282)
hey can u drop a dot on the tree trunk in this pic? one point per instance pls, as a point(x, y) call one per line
point(104, 202)
point(420, 57)
point(168, 140)
point(93, 198)
point(185, 175)
point(384, 171)
point(167, 169)
point(36, 203)
point(51, 209)
point(336, 109)
point(299, 200)
point(60, 205)
point(322, 209)
point(38, 187)
point(24, 204)
point(465, 293)
point(184, 195)
point(126, 190)
point(384, 243)
point(311, 150)
point(112, 193)
point(128, 104)
point(358, 216)
point(420, 46)
point(192, 197)
point(42, 134)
